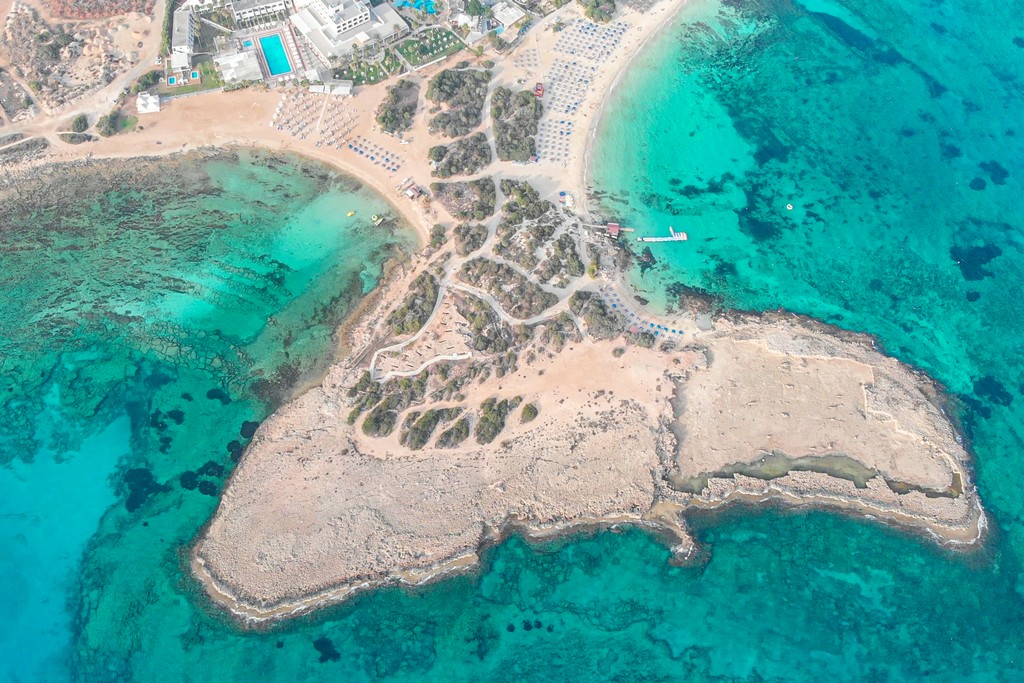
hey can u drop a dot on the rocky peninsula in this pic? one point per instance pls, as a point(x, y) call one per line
point(621, 429)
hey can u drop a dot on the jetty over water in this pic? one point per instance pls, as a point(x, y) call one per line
point(673, 237)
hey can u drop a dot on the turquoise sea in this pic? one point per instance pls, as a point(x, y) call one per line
point(891, 129)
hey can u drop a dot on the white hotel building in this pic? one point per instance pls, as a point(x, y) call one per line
point(255, 9)
point(332, 27)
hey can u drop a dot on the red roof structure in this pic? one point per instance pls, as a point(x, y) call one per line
point(613, 230)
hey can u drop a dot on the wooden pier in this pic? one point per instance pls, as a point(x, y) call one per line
point(674, 237)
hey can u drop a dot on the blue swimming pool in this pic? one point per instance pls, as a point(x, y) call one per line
point(273, 52)
point(422, 5)
point(247, 43)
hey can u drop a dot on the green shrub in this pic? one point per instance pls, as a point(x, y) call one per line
point(417, 305)
point(423, 428)
point(396, 112)
point(530, 413)
point(456, 434)
point(146, 81)
point(462, 157)
point(599, 10)
point(469, 237)
point(492, 418)
point(438, 236)
point(515, 123)
point(463, 92)
point(381, 420)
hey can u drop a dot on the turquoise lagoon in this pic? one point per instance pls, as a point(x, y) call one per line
point(889, 126)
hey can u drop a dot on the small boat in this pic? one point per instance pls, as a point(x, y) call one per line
point(350, 214)
point(377, 220)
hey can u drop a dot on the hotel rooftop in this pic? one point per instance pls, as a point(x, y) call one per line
point(333, 27)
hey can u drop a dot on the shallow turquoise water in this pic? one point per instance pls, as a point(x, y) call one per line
point(872, 119)
point(143, 335)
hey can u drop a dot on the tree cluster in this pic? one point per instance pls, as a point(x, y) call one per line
point(422, 426)
point(463, 92)
point(80, 124)
point(519, 296)
point(453, 436)
point(396, 112)
point(598, 10)
point(492, 418)
point(462, 157)
point(146, 81)
point(488, 333)
point(97, 9)
point(417, 305)
point(384, 401)
point(467, 200)
point(114, 123)
point(438, 236)
point(558, 331)
point(523, 202)
point(515, 123)
point(564, 260)
point(469, 237)
point(602, 322)
point(523, 206)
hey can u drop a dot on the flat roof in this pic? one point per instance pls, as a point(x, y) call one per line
point(242, 5)
point(384, 22)
point(181, 30)
point(507, 13)
point(180, 60)
point(239, 66)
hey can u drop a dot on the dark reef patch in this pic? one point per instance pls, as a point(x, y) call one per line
point(211, 469)
point(991, 389)
point(328, 653)
point(177, 415)
point(218, 395)
point(978, 184)
point(208, 488)
point(972, 260)
point(996, 173)
point(950, 151)
point(235, 450)
point(973, 295)
point(846, 33)
point(248, 429)
point(141, 485)
point(158, 377)
point(189, 480)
